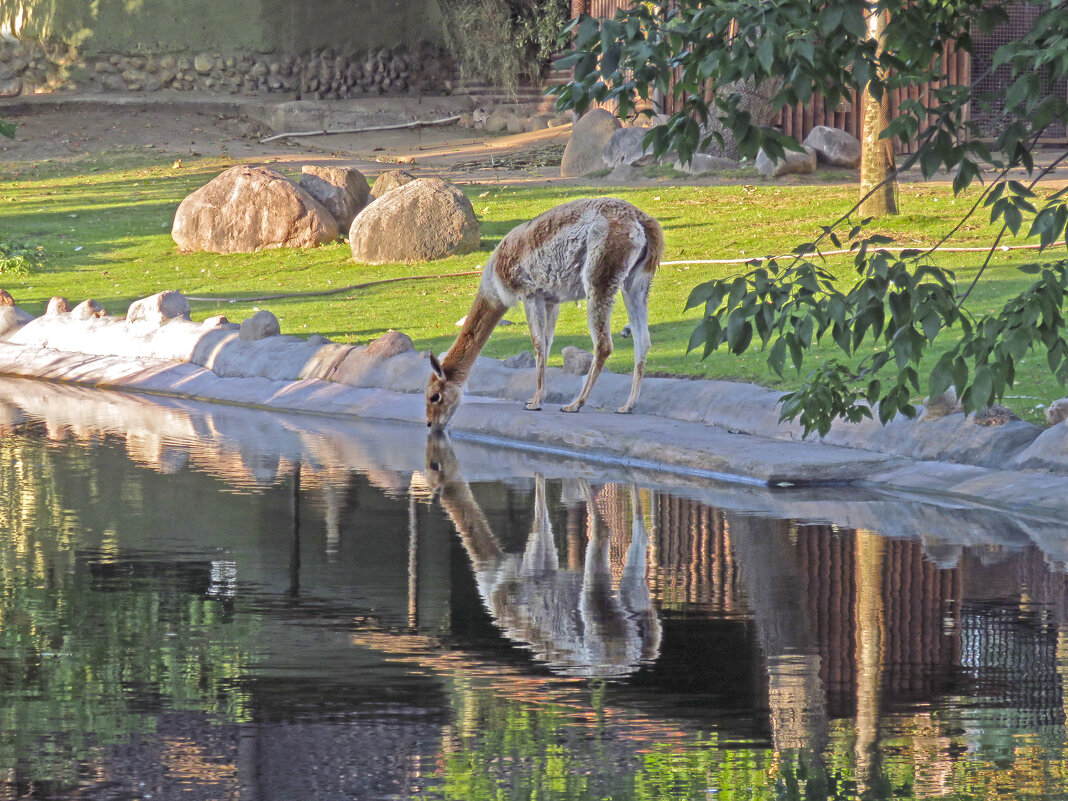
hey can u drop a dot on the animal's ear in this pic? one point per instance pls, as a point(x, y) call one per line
point(435, 365)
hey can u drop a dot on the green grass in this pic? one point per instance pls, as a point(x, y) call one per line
point(104, 223)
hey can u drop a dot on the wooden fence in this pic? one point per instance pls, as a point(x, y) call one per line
point(960, 67)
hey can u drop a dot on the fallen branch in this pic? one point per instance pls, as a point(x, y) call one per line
point(398, 126)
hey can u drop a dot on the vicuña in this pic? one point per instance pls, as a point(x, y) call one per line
point(583, 249)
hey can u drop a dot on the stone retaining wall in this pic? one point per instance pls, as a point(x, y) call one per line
point(64, 339)
point(315, 74)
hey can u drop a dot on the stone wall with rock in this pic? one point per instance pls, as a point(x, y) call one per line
point(319, 73)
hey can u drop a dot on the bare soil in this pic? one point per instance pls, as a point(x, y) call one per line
point(59, 129)
point(59, 132)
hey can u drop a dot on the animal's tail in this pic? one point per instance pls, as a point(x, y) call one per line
point(654, 244)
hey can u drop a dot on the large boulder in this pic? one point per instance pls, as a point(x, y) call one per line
point(248, 209)
point(834, 146)
point(343, 191)
point(423, 220)
point(390, 179)
point(793, 163)
point(625, 148)
point(584, 151)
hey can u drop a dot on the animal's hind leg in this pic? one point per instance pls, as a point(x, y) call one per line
point(636, 298)
point(599, 315)
point(541, 319)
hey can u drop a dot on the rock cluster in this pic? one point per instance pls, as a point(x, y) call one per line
point(318, 74)
point(246, 209)
point(512, 118)
point(599, 141)
point(407, 219)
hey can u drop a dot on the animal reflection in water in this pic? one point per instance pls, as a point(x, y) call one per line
point(573, 620)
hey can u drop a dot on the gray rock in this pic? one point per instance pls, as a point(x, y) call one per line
point(58, 305)
point(946, 403)
point(343, 191)
point(87, 310)
point(625, 148)
point(12, 318)
point(539, 122)
point(576, 360)
point(246, 209)
point(390, 344)
point(624, 174)
point(203, 63)
point(703, 162)
point(583, 153)
point(834, 146)
point(516, 124)
point(497, 122)
point(793, 163)
point(159, 308)
point(261, 325)
point(390, 180)
point(1057, 412)
point(520, 361)
point(1046, 452)
point(11, 87)
point(423, 220)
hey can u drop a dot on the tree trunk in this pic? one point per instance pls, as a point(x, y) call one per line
point(877, 155)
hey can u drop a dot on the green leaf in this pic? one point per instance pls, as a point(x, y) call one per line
point(777, 356)
point(739, 333)
point(982, 387)
point(7, 129)
point(698, 336)
point(830, 18)
point(766, 53)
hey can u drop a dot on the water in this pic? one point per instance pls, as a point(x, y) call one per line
point(203, 602)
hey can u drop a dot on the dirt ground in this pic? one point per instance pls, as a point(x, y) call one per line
point(179, 126)
point(59, 132)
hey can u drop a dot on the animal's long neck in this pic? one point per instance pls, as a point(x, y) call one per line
point(474, 530)
point(481, 320)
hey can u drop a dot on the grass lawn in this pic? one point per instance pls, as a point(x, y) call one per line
point(105, 227)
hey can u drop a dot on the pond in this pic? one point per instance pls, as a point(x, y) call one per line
point(209, 602)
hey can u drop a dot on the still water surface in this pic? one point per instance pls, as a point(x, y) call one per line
point(183, 618)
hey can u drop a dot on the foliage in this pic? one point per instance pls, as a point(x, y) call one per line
point(79, 662)
point(503, 41)
point(19, 259)
point(7, 129)
point(899, 305)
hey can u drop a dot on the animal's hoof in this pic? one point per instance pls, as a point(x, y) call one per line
point(571, 407)
point(533, 407)
point(623, 410)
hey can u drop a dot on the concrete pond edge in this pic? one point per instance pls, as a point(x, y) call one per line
point(716, 429)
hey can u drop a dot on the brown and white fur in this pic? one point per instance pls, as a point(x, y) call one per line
point(588, 249)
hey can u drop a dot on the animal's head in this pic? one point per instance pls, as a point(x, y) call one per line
point(441, 463)
point(442, 397)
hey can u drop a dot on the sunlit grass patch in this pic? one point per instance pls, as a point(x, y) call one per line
point(105, 226)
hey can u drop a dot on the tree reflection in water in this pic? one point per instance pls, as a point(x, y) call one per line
point(249, 608)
